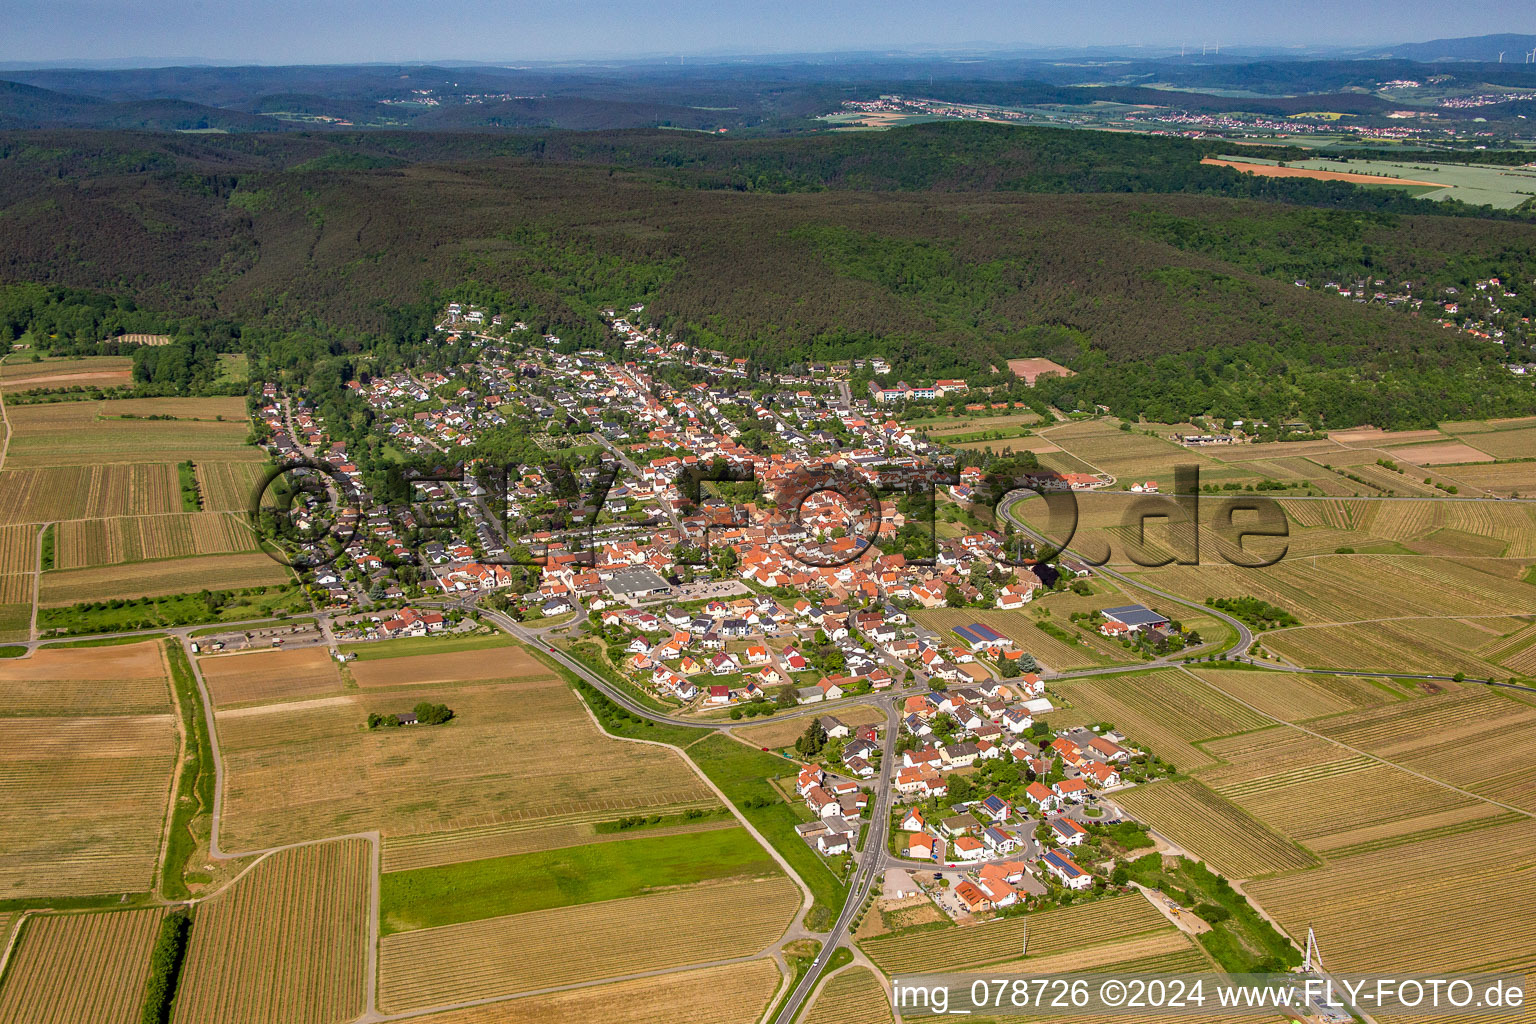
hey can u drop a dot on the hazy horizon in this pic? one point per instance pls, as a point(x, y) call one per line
point(276, 32)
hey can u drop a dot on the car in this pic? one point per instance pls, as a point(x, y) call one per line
point(551, 650)
point(765, 750)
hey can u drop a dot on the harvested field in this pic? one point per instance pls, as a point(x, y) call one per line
point(81, 803)
point(1052, 932)
point(285, 944)
point(1371, 437)
point(159, 579)
point(406, 853)
point(730, 994)
point(1282, 776)
point(229, 486)
point(1433, 735)
point(505, 955)
point(1445, 453)
point(92, 433)
point(1032, 369)
point(1164, 711)
point(515, 752)
point(1213, 829)
point(95, 371)
point(508, 662)
point(87, 492)
point(1274, 171)
point(247, 678)
point(853, 996)
point(18, 549)
point(786, 731)
point(80, 968)
point(128, 679)
point(1386, 911)
point(1274, 450)
point(1296, 698)
point(89, 542)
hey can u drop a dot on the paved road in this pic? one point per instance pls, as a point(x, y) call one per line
point(870, 870)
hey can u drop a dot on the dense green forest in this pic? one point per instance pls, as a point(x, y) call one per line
point(946, 248)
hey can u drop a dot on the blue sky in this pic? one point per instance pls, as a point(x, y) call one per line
point(343, 31)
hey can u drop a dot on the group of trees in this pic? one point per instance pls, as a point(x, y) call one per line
point(426, 713)
point(1166, 302)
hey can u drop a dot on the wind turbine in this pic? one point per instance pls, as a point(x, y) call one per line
point(1501, 56)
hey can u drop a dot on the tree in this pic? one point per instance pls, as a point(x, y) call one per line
point(811, 742)
point(428, 713)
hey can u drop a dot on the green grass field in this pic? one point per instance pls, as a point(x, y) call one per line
point(742, 773)
point(474, 890)
point(408, 646)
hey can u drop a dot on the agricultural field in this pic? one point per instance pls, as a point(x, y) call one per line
point(15, 618)
point(161, 578)
point(53, 493)
point(124, 680)
point(1411, 645)
point(82, 801)
point(506, 955)
point(255, 677)
point(1387, 910)
point(77, 968)
point(229, 486)
point(285, 944)
point(92, 433)
point(1019, 626)
point(1282, 776)
point(727, 994)
point(1213, 829)
point(76, 371)
point(503, 661)
point(1165, 711)
point(1296, 698)
point(1519, 443)
point(1354, 588)
point(515, 752)
point(1433, 736)
point(16, 588)
point(18, 549)
point(1052, 932)
point(1503, 188)
point(853, 996)
point(432, 849)
point(784, 732)
point(639, 865)
point(83, 543)
point(1508, 479)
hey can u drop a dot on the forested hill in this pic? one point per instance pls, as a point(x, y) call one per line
point(946, 248)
